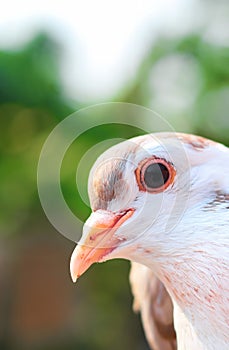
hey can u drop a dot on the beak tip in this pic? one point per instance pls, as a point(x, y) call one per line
point(73, 275)
point(73, 272)
point(74, 279)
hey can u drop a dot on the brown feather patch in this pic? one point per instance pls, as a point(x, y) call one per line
point(219, 200)
point(108, 183)
point(198, 143)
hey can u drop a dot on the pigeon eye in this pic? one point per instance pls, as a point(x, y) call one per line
point(154, 175)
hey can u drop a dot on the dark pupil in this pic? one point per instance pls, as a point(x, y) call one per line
point(156, 175)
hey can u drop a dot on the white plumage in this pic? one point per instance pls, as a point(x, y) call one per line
point(176, 224)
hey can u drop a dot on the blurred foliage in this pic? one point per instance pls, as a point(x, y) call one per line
point(30, 77)
point(31, 104)
point(185, 79)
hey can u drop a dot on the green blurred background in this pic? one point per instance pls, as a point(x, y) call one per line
point(183, 75)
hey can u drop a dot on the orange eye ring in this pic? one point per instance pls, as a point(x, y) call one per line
point(154, 175)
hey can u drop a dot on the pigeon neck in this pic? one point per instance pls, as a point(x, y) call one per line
point(198, 286)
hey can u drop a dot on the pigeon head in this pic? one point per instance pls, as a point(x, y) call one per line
point(151, 198)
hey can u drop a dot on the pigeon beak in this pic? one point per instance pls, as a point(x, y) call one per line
point(98, 240)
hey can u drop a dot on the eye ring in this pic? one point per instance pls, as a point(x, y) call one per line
point(154, 175)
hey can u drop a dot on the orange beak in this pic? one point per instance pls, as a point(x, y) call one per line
point(98, 240)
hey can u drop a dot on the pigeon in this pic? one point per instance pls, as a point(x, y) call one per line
point(161, 201)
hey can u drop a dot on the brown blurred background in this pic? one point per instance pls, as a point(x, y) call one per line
point(180, 70)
